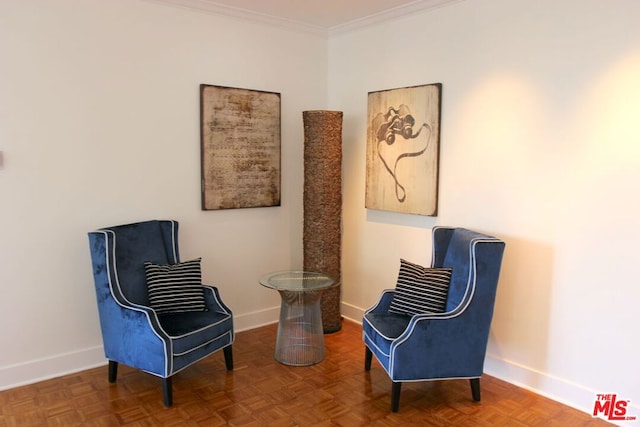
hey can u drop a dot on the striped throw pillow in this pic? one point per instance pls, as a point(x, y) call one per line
point(420, 290)
point(175, 288)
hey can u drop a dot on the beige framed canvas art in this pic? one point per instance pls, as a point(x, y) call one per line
point(403, 143)
point(240, 148)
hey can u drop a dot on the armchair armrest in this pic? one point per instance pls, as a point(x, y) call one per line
point(382, 306)
point(452, 344)
point(213, 301)
point(130, 327)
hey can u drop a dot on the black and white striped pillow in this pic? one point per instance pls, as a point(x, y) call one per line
point(175, 288)
point(420, 290)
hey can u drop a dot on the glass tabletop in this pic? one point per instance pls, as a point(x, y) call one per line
point(292, 280)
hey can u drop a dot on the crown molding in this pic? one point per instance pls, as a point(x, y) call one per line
point(211, 7)
point(390, 14)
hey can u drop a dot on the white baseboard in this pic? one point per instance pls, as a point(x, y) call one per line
point(352, 312)
point(558, 389)
point(50, 367)
point(256, 319)
point(555, 388)
point(37, 370)
point(566, 392)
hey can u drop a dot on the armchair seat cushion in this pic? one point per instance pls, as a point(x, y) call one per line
point(383, 328)
point(190, 330)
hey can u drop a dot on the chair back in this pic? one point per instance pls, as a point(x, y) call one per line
point(124, 249)
point(475, 259)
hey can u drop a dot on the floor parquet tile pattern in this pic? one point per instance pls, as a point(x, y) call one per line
point(263, 392)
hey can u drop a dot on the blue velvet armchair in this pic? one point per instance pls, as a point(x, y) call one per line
point(133, 333)
point(447, 345)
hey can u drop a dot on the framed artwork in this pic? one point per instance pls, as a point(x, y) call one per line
point(240, 147)
point(403, 142)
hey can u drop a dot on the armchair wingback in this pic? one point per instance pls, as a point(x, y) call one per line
point(135, 334)
point(445, 345)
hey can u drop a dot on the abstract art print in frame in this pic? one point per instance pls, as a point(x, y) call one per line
point(403, 143)
point(240, 147)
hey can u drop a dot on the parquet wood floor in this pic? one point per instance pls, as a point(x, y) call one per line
point(262, 392)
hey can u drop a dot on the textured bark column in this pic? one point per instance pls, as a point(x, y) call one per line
point(322, 235)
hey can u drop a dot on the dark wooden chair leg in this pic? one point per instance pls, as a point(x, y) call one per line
point(113, 371)
point(367, 359)
point(228, 357)
point(395, 396)
point(475, 388)
point(167, 392)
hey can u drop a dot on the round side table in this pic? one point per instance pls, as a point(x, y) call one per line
point(300, 340)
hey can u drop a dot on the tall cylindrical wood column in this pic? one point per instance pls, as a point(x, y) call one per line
point(322, 235)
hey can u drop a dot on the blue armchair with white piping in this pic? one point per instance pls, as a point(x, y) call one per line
point(158, 342)
point(446, 345)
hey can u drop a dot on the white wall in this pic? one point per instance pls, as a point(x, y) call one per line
point(540, 146)
point(99, 125)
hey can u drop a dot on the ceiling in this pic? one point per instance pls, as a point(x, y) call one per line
point(318, 15)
